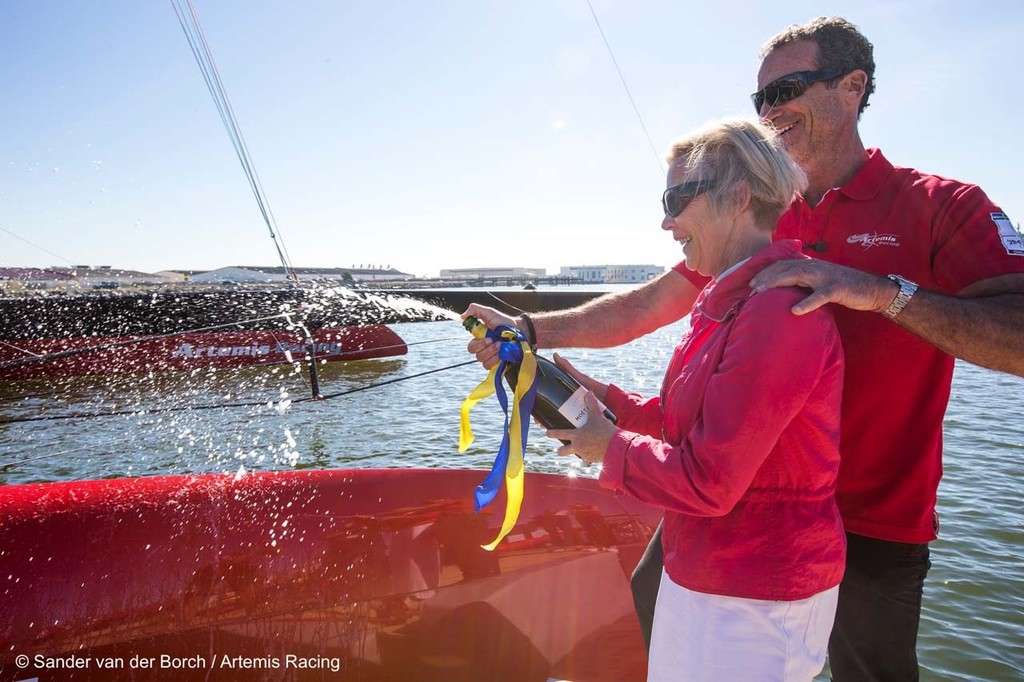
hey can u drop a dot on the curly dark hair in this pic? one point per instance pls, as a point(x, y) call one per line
point(841, 45)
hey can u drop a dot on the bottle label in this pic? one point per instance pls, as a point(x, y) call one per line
point(575, 408)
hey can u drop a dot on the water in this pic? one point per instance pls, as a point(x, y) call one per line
point(973, 622)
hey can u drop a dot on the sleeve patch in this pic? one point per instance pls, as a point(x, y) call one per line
point(1011, 239)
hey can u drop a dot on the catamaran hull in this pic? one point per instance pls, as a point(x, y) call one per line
point(46, 358)
point(367, 575)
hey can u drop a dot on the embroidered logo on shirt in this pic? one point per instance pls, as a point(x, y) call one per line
point(1011, 239)
point(870, 239)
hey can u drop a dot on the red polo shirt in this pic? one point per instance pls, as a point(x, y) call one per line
point(944, 235)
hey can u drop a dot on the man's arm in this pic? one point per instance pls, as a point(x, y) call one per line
point(610, 320)
point(982, 324)
point(615, 319)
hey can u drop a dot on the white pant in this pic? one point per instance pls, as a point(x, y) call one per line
point(701, 637)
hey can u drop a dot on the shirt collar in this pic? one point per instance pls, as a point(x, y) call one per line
point(870, 178)
point(865, 183)
point(723, 295)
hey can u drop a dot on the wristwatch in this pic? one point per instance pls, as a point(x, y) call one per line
point(907, 291)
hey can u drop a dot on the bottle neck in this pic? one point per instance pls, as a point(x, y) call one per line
point(475, 327)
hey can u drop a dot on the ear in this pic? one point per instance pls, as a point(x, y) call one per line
point(741, 195)
point(854, 84)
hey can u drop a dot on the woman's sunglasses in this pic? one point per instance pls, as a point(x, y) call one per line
point(677, 197)
point(791, 86)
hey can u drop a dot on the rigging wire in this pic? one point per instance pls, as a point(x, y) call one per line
point(55, 255)
point(132, 379)
point(23, 351)
point(218, 406)
point(505, 303)
point(204, 58)
point(661, 163)
point(287, 354)
point(5, 466)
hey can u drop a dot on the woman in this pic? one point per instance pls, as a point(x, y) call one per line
point(741, 448)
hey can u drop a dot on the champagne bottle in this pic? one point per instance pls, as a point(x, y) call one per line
point(559, 402)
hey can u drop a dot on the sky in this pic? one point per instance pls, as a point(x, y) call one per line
point(438, 134)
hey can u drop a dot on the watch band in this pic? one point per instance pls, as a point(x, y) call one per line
point(907, 291)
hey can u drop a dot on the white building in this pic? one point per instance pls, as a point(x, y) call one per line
point(494, 273)
point(244, 274)
point(612, 274)
point(233, 275)
point(107, 277)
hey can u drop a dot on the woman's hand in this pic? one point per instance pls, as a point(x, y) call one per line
point(593, 385)
point(590, 441)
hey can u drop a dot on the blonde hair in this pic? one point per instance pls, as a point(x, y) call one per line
point(732, 151)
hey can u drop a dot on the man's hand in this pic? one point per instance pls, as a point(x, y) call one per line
point(830, 283)
point(486, 350)
point(590, 441)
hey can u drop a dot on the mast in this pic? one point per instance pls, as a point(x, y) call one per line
point(204, 58)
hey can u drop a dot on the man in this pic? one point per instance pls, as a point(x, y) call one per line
point(922, 269)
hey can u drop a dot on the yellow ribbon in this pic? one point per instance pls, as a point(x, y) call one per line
point(514, 475)
point(485, 389)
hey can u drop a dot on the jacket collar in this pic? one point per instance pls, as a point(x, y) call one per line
point(719, 299)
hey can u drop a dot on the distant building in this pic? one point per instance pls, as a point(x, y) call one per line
point(107, 277)
point(612, 274)
point(173, 276)
point(494, 273)
point(380, 274)
point(233, 275)
point(245, 274)
point(85, 277)
point(13, 280)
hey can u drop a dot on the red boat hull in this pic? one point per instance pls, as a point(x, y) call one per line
point(183, 352)
point(366, 575)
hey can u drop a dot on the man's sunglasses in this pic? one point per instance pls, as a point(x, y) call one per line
point(677, 197)
point(791, 86)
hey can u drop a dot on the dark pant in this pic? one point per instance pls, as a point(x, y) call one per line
point(875, 635)
point(644, 582)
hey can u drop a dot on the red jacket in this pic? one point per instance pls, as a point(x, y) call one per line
point(742, 447)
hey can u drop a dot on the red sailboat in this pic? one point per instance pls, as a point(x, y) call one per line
point(60, 336)
point(366, 575)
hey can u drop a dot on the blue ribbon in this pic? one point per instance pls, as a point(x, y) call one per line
point(508, 351)
point(508, 463)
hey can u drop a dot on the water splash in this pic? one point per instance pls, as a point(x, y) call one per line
point(145, 443)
